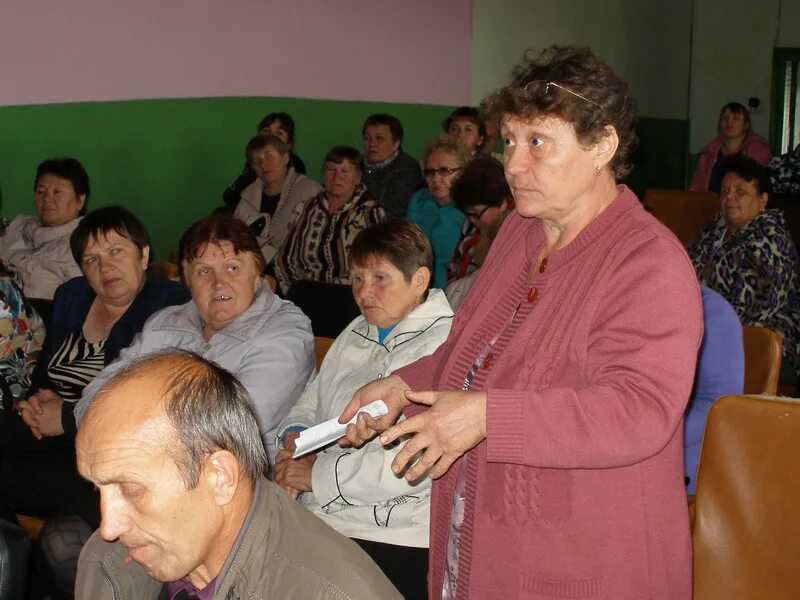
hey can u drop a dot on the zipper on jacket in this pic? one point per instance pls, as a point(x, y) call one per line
point(108, 580)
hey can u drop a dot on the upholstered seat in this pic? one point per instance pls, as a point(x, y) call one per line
point(746, 532)
point(321, 346)
point(763, 349)
point(14, 552)
point(164, 270)
point(685, 213)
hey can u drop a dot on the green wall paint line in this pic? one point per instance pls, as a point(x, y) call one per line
point(659, 160)
point(170, 160)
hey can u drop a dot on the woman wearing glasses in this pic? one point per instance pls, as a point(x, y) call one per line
point(432, 208)
point(551, 418)
point(483, 195)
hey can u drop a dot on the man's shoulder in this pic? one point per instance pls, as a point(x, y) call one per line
point(406, 163)
point(300, 552)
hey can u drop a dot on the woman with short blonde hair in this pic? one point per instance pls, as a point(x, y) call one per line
point(432, 208)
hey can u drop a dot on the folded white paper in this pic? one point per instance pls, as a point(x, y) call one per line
point(323, 434)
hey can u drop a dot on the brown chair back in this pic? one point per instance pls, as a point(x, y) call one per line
point(763, 349)
point(746, 534)
point(164, 270)
point(33, 525)
point(270, 281)
point(685, 213)
point(321, 346)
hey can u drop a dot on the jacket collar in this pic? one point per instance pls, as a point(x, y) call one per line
point(751, 137)
point(771, 218)
point(415, 323)
point(358, 193)
point(384, 163)
point(252, 193)
point(254, 531)
point(41, 234)
point(243, 327)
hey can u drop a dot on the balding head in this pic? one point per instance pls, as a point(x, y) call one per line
point(173, 446)
point(206, 406)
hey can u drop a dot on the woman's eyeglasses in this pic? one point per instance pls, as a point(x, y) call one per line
point(441, 172)
point(476, 214)
point(531, 86)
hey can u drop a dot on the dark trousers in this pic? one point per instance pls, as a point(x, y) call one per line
point(40, 477)
point(406, 567)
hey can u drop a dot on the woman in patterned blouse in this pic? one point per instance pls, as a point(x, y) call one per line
point(317, 246)
point(747, 255)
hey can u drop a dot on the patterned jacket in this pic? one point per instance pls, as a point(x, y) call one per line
point(317, 245)
point(784, 172)
point(756, 271)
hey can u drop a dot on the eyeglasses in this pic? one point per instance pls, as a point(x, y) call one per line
point(476, 214)
point(528, 89)
point(338, 170)
point(441, 171)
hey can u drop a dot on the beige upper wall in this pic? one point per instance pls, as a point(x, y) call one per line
point(732, 58)
point(646, 43)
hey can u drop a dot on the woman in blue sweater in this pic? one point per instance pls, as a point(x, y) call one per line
point(720, 371)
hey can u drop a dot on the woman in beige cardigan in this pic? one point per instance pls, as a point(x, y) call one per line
point(270, 204)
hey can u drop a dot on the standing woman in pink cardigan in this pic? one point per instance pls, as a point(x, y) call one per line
point(736, 138)
point(552, 417)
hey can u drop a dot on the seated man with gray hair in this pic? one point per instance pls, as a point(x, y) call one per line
point(173, 446)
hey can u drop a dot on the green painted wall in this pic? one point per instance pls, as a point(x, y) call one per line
point(170, 160)
point(660, 159)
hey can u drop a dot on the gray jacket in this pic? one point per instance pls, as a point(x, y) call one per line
point(282, 551)
point(269, 347)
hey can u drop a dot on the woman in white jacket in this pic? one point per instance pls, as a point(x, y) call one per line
point(36, 247)
point(355, 490)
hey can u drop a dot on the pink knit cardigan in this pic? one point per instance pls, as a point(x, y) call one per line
point(577, 492)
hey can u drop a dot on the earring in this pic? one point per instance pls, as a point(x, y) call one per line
point(598, 169)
